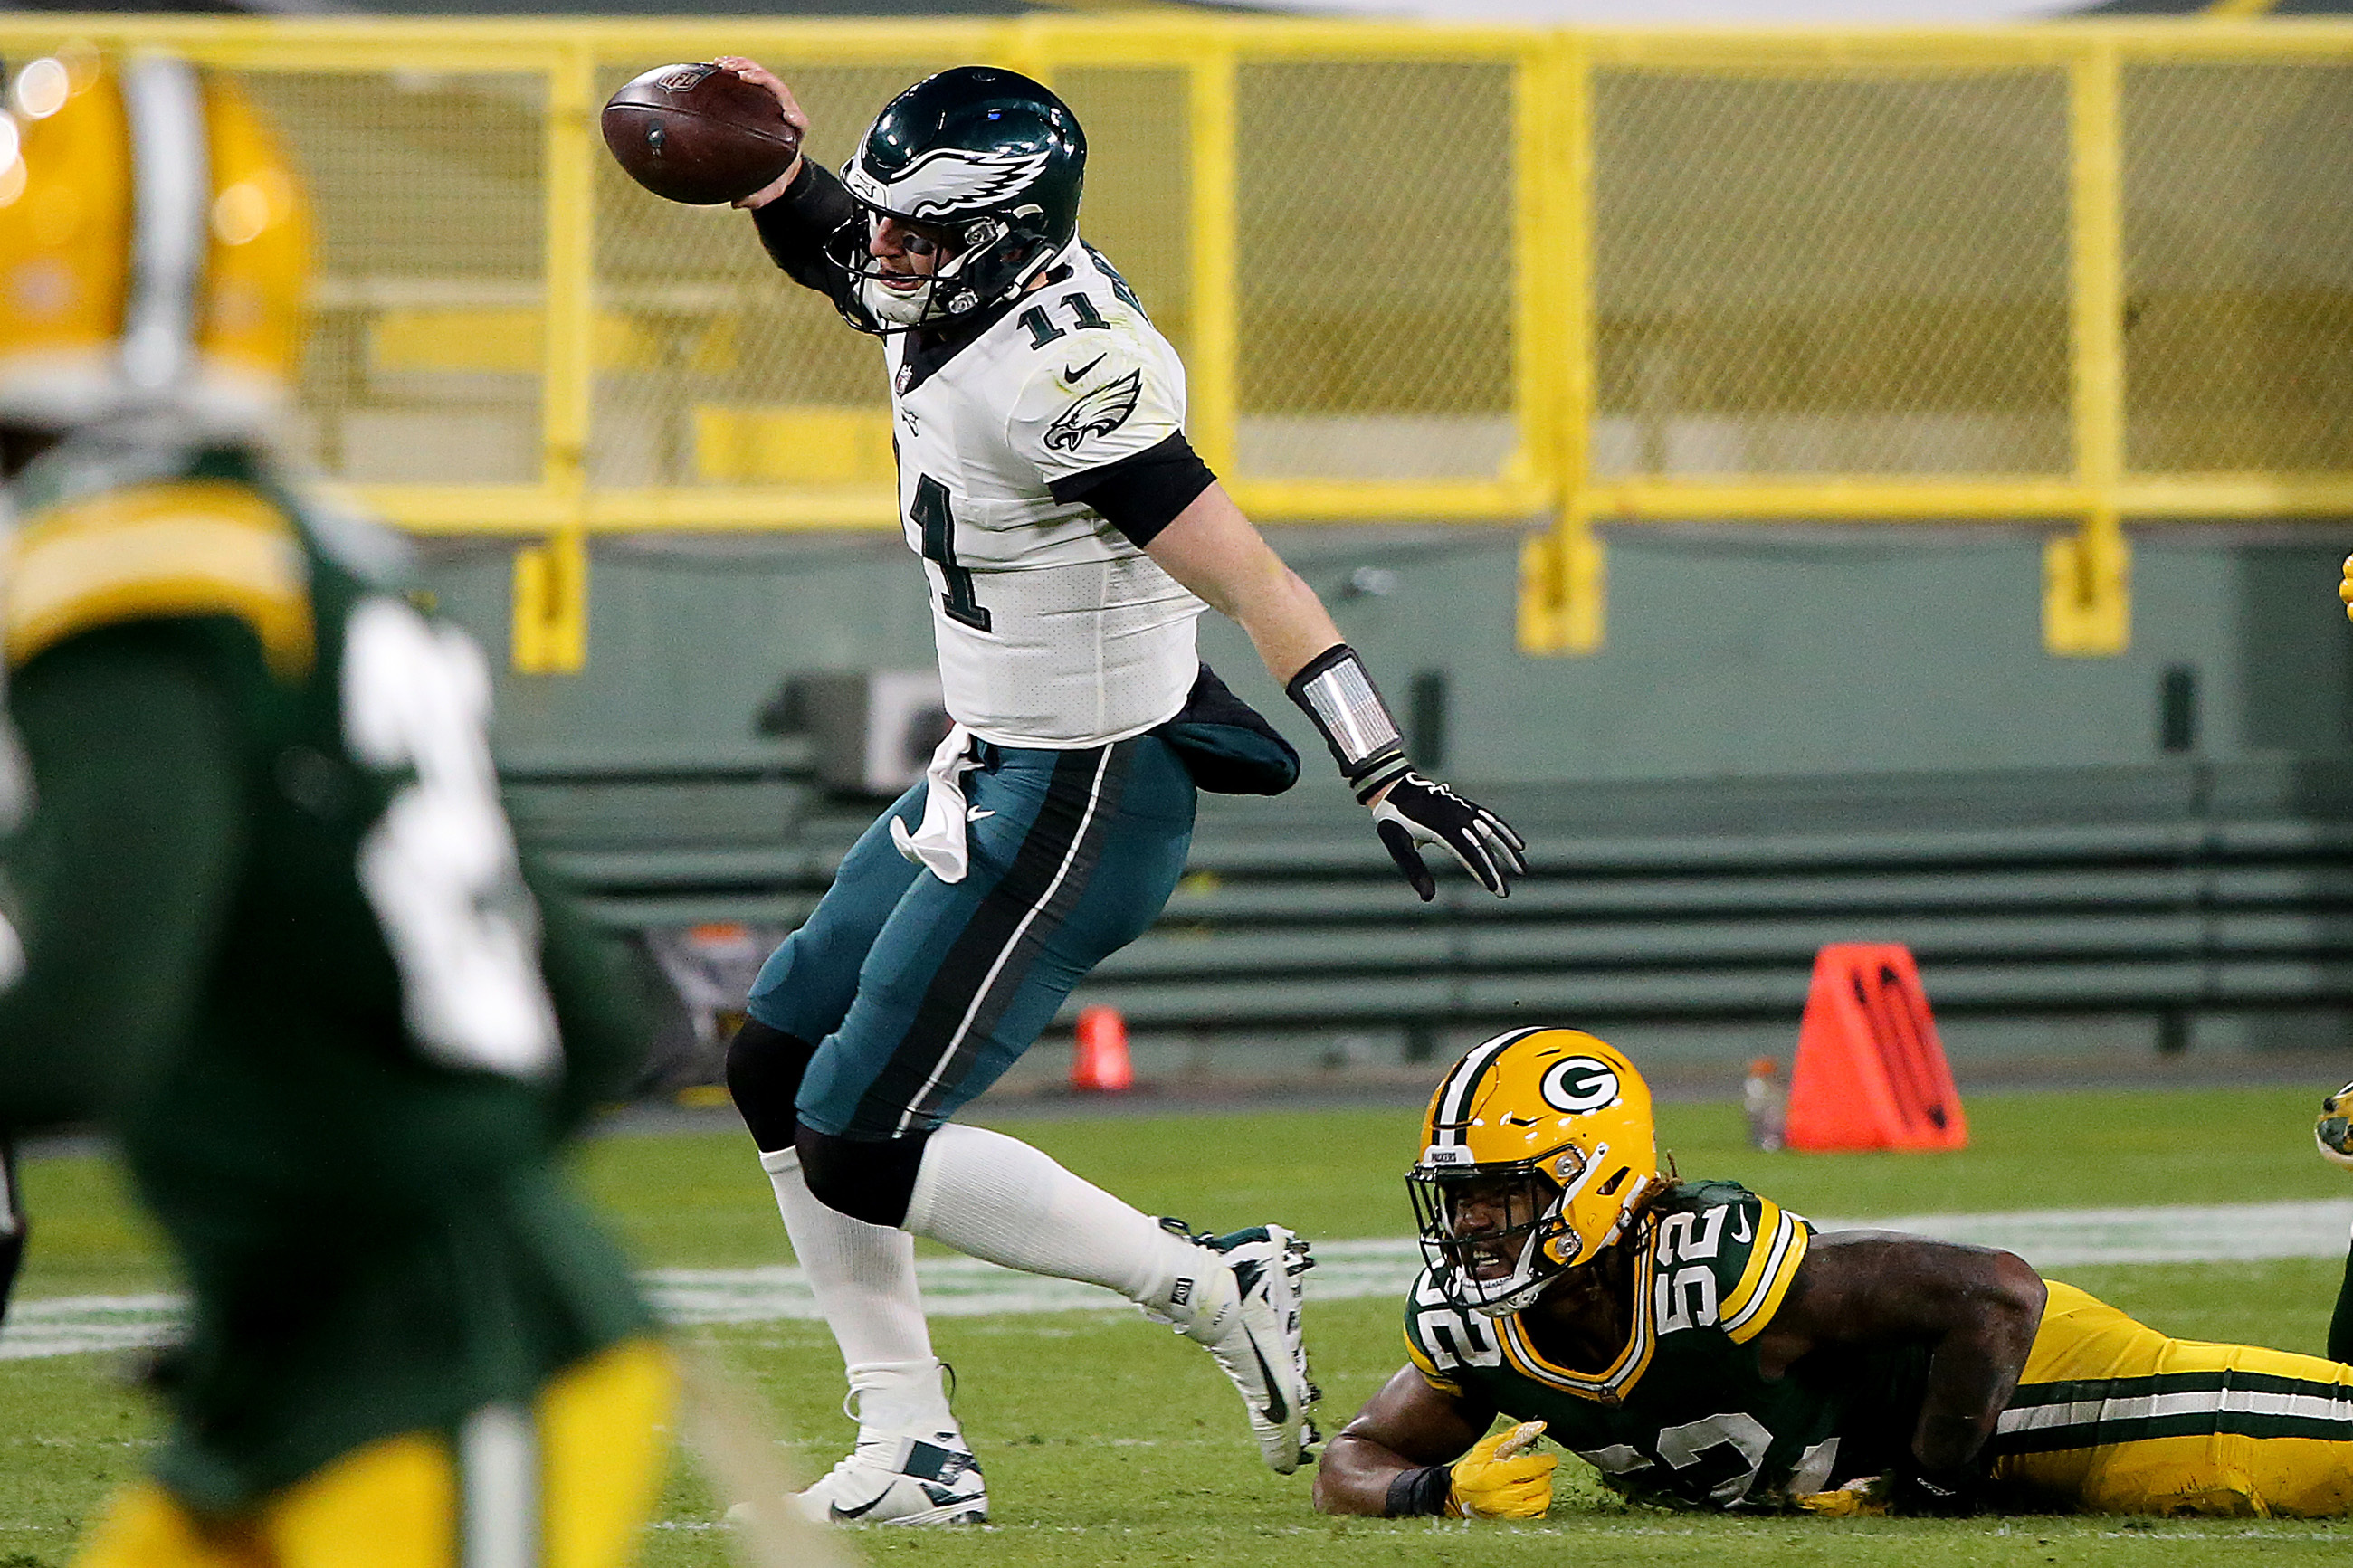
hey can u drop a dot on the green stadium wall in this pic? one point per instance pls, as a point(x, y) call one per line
point(1731, 654)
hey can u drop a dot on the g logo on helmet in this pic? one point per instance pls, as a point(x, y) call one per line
point(1579, 1084)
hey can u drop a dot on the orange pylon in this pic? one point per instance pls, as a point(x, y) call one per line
point(1099, 1060)
point(1871, 1073)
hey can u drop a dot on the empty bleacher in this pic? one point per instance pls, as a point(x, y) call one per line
point(2166, 890)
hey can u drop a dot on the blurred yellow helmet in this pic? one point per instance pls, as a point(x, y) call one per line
point(1537, 1150)
point(153, 245)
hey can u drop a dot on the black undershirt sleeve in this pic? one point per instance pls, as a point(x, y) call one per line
point(1142, 493)
point(795, 225)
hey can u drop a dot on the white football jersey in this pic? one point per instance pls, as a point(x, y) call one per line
point(1054, 630)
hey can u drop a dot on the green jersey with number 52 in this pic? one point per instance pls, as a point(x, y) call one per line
point(347, 1131)
point(1683, 1416)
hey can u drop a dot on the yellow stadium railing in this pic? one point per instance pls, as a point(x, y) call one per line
point(2073, 276)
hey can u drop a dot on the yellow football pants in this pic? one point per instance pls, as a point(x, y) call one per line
point(2111, 1416)
point(566, 1486)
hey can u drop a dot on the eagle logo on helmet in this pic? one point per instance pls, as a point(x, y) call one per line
point(949, 180)
point(1099, 413)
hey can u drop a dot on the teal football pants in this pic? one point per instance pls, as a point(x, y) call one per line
point(921, 993)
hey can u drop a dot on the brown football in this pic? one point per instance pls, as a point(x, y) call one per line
point(698, 134)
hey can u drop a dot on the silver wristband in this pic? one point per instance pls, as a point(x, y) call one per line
point(1338, 694)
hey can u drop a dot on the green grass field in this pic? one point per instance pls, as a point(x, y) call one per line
point(1106, 1440)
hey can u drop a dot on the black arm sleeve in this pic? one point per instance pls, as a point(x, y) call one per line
point(1142, 493)
point(126, 866)
point(795, 225)
point(1421, 1494)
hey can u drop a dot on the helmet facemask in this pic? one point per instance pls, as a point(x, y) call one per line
point(991, 261)
point(988, 160)
point(1493, 1235)
point(1537, 1153)
point(1496, 1236)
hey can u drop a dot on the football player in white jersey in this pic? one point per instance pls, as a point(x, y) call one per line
point(1070, 536)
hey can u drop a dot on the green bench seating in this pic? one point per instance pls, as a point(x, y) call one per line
point(2166, 889)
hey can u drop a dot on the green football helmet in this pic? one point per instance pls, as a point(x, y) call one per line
point(987, 158)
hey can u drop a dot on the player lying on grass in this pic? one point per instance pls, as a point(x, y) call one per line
point(1702, 1347)
point(1072, 538)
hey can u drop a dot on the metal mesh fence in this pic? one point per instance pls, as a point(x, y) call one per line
point(2238, 241)
point(1139, 183)
point(1415, 273)
point(422, 362)
point(1819, 274)
point(1374, 270)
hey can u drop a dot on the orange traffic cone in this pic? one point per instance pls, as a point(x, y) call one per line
point(1871, 1072)
point(1099, 1063)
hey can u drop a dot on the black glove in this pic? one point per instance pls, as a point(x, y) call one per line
point(1334, 689)
point(1417, 811)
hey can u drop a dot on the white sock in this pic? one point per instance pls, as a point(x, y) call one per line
point(997, 1198)
point(863, 1277)
point(901, 1396)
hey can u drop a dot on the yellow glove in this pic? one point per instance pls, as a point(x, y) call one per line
point(2344, 589)
point(1864, 1499)
point(1503, 1476)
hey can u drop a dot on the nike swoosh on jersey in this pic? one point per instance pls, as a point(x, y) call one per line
point(975, 814)
point(1080, 374)
point(1741, 1219)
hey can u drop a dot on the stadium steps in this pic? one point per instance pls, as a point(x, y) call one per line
point(2160, 889)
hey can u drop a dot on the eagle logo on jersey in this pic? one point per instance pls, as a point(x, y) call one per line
point(948, 180)
point(1098, 413)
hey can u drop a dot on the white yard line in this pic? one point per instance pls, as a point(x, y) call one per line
point(1346, 1270)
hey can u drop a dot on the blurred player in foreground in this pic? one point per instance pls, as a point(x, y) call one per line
point(14, 1228)
point(1702, 1347)
point(1071, 537)
point(277, 937)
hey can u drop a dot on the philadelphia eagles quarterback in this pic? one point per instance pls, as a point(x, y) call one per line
point(1070, 537)
point(1702, 1347)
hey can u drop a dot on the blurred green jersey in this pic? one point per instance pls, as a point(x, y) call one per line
point(345, 1109)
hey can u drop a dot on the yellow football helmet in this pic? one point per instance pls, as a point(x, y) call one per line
point(153, 245)
point(1536, 1151)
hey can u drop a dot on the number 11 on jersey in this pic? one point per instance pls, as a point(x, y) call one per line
point(936, 522)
